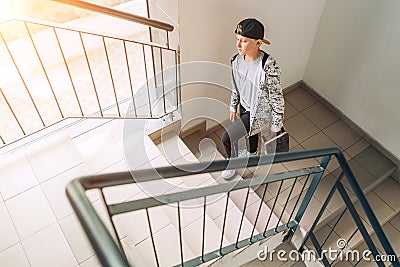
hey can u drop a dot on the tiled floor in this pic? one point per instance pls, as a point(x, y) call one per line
point(311, 125)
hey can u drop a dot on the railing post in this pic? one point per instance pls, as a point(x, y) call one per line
point(2, 140)
point(358, 222)
point(13, 113)
point(111, 76)
point(103, 244)
point(309, 194)
point(43, 68)
point(147, 81)
point(130, 78)
point(91, 74)
point(68, 70)
point(366, 207)
point(22, 79)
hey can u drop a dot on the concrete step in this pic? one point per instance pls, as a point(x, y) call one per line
point(381, 200)
point(208, 152)
point(369, 176)
point(177, 153)
point(104, 155)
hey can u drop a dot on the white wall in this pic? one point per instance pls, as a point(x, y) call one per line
point(355, 63)
point(207, 34)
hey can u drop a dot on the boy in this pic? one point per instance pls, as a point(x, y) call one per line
point(256, 90)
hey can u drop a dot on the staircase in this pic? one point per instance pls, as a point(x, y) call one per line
point(164, 216)
point(372, 170)
point(100, 151)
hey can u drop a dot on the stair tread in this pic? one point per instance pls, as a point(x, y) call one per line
point(381, 163)
point(253, 202)
point(346, 227)
point(167, 255)
point(216, 209)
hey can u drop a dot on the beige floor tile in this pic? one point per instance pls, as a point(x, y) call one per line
point(192, 142)
point(311, 212)
point(346, 226)
point(16, 175)
point(343, 264)
point(274, 187)
point(323, 189)
point(60, 153)
point(292, 142)
point(300, 127)
point(292, 208)
point(388, 191)
point(373, 161)
point(395, 221)
point(254, 263)
point(368, 263)
point(290, 110)
point(172, 147)
point(300, 99)
point(7, 229)
point(357, 148)
point(76, 238)
point(53, 250)
point(322, 237)
point(320, 140)
point(260, 191)
point(217, 142)
point(363, 177)
point(288, 185)
point(382, 211)
point(337, 202)
point(30, 212)
point(54, 189)
point(342, 134)
point(14, 256)
point(320, 115)
point(394, 238)
point(277, 209)
point(92, 262)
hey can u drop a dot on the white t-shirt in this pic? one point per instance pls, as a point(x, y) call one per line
point(246, 74)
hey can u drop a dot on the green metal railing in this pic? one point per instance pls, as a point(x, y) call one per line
point(111, 252)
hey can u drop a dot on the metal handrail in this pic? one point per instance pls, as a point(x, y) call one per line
point(56, 30)
point(111, 254)
point(118, 14)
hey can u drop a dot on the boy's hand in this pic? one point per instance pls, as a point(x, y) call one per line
point(272, 134)
point(232, 116)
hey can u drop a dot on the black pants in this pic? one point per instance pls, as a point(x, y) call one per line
point(239, 128)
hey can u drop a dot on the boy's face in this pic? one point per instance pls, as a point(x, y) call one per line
point(246, 45)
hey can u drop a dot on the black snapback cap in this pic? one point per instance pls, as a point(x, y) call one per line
point(251, 28)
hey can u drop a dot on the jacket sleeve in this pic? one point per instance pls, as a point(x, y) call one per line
point(235, 97)
point(275, 94)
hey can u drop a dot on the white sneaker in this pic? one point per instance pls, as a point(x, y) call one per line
point(227, 174)
point(243, 153)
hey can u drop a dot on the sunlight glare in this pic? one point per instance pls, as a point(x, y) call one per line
point(9, 8)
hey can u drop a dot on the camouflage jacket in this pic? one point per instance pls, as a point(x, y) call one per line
point(268, 111)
